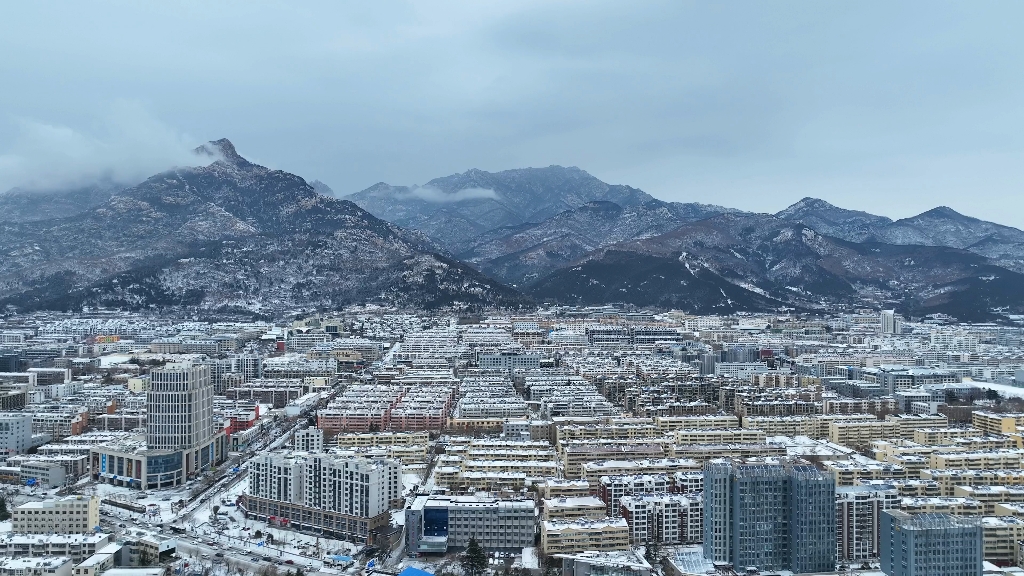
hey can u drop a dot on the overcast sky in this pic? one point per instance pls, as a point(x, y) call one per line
point(889, 107)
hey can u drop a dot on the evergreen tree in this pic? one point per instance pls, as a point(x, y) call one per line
point(652, 553)
point(474, 559)
point(4, 514)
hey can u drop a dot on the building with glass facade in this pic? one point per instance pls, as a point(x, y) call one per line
point(770, 514)
point(930, 544)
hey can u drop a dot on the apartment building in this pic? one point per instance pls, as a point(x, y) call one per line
point(976, 460)
point(718, 436)
point(1000, 535)
point(580, 535)
point(994, 423)
point(908, 423)
point(562, 488)
point(991, 496)
point(612, 488)
point(69, 515)
point(717, 421)
point(948, 480)
point(943, 436)
point(664, 519)
point(75, 547)
point(569, 508)
point(15, 433)
point(309, 440)
point(932, 544)
point(577, 453)
point(348, 497)
point(593, 471)
point(853, 472)
point(36, 566)
point(858, 520)
point(816, 426)
point(942, 504)
point(769, 514)
point(862, 433)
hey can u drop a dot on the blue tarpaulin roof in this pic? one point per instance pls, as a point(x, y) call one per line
point(410, 571)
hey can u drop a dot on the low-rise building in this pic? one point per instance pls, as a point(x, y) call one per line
point(436, 523)
point(573, 536)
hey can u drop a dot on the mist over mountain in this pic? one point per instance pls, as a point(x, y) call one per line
point(233, 235)
point(230, 235)
point(29, 206)
point(454, 209)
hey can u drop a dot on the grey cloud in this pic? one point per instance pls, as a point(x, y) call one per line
point(892, 107)
point(127, 145)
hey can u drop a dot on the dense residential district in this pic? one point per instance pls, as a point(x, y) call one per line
point(571, 441)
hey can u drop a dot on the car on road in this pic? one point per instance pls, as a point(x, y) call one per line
point(219, 554)
point(289, 561)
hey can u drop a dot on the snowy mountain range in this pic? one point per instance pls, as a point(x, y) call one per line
point(238, 237)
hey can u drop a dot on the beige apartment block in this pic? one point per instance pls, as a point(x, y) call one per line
point(849, 473)
point(942, 436)
point(852, 434)
point(976, 460)
point(908, 423)
point(942, 504)
point(572, 536)
point(993, 423)
point(572, 508)
point(948, 480)
point(1000, 535)
point(718, 436)
point(356, 440)
point(991, 497)
point(722, 421)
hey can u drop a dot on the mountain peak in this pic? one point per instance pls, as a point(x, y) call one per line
point(806, 206)
point(816, 202)
point(221, 149)
point(944, 212)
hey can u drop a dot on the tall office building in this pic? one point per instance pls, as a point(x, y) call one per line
point(179, 407)
point(858, 518)
point(769, 514)
point(931, 544)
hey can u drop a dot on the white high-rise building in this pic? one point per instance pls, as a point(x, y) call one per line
point(891, 322)
point(309, 440)
point(858, 516)
point(179, 407)
point(15, 432)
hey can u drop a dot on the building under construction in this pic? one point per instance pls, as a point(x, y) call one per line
point(772, 514)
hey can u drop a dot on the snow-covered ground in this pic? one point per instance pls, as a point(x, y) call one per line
point(1003, 389)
